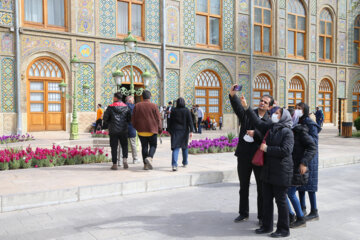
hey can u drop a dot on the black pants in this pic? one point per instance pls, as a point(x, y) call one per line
point(244, 168)
point(114, 140)
point(147, 142)
point(279, 193)
point(98, 125)
point(194, 122)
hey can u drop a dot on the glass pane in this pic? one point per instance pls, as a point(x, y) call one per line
point(214, 31)
point(257, 38)
point(291, 95)
point(213, 101)
point(136, 19)
point(291, 101)
point(54, 97)
point(54, 107)
point(321, 47)
point(301, 23)
point(328, 28)
point(321, 108)
point(328, 96)
point(266, 93)
point(213, 93)
point(200, 92)
point(53, 86)
point(258, 16)
point(322, 27)
point(213, 109)
point(355, 53)
point(327, 102)
point(266, 47)
point(257, 94)
point(298, 100)
point(202, 6)
point(56, 11)
point(354, 103)
point(33, 10)
point(200, 101)
point(298, 95)
point(291, 42)
point(122, 18)
point(300, 44)
point(355, 109)
point(356, 37)
point(215, 7)
point(291, 21)
point(321, 102)
point(37, 86)
point(36, 107)
point(36, 96)
point(321, 95)
point(354, 97)
point(267, 17)
point(328, 48)
point(200, 29)
point(327, 109)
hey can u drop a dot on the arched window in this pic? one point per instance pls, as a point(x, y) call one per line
point(296, 29)
point(296, 92)
point(325, 36)
point(356, 100)
point(262, 86)
point(208, 93)
point(325, 99)
point(357, 40)
point(127, 75)
point(262, 27)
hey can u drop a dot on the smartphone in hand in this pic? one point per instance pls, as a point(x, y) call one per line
point(238, 88)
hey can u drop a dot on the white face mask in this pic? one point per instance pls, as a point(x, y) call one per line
point(247, 138)
point(274, 118)
point(299, 113)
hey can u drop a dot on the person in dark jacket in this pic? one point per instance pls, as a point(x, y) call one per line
point(249, 141)
point(116, 117)
point(193, 117)
point(319, 116)
point(180, 129)
point(312, 185)
point(304, 150)
point(277, 172)
point(131, 130)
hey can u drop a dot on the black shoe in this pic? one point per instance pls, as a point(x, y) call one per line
point(263, 230)
point(241, 218)
point(313, 216)
point(300, 222)
point(304, 211)
point(279, 234)
point(291, 218)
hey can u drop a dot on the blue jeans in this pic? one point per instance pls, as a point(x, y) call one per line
point(175, 155)
point(199, 125)
point(294, 201)
point(312, 198)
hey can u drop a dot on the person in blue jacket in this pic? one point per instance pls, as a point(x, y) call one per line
point(312, 185)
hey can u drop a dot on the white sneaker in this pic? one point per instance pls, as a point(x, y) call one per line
point(136, 161)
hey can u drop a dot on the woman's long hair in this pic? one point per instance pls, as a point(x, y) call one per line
point(180, 103)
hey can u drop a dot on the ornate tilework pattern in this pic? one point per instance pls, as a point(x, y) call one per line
point(342, 47)
point(313, 7)
point(282, 68)
point(7, 43)
point(302, 69)
point(313, 38)
point(6, 18)
point(85, 16)
point(341, 89)
point(282, 4)
point(85, 50)
point(8, 85)
point(269, 66)
point(313, 95)
point(195, 70)
point(173, 28)
point(342, 9)
point(282, 53)
point(244, 6)
point(6, 5)
point(121, 60)
point(189, 22)
point(342, 25)
point(313, 72)
point(244, 33)
point(108, 18)
point(152, 20)
point(326, 71)
point(86, 103)
point(244, 80)
point(282, 13)
point(282, 33)
point(282, 92)
point(228, 25)
point(173, 59)
point(171, 85)
point(354, 77)
point(350, 36)
point(341, 75)
point(244, 66)
point(313, 57)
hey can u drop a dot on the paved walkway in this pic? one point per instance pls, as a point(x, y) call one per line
point(198, 213)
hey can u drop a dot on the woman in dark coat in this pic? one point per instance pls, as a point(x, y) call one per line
point(304, 150)
point(312, 186)
point(180, 129)
point(277, 171)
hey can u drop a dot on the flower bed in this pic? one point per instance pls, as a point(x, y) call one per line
point(165, 134)
point(15, 138)
point(100, 134)
point(216, 145)
point(57, 156)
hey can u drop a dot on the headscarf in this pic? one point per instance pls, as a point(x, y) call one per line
point(274, 109)
point(285, 119)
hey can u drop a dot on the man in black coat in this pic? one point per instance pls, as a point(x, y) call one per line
point(117, 117)
point(245, 151)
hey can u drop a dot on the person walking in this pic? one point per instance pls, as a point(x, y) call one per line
point(220, 122)
point(168, 114)
point(147, 121)
point(99, 118)
point(181, 129)
point(277, 171)
point(193, 117)
point(116, 117)
point(249, 141)
point(200, 113)
point(312, 185)
point(319, 116)
point(131, 130)
point(304, 150)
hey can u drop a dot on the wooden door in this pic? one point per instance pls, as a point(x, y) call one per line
point(37, 112)
point(356, 101)
point(54, 105)
point(325, 99)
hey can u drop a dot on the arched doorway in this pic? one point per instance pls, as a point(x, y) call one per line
point(296, 92)
point(138, 81)
point(325, 99)
point(208, 94)
point(262, 86)
point(45, 106)
point(356, 100)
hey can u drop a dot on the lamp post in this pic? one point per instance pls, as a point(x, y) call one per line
point(74, 127)
point(130, 45)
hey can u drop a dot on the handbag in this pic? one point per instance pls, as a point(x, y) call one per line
point(258, 158)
